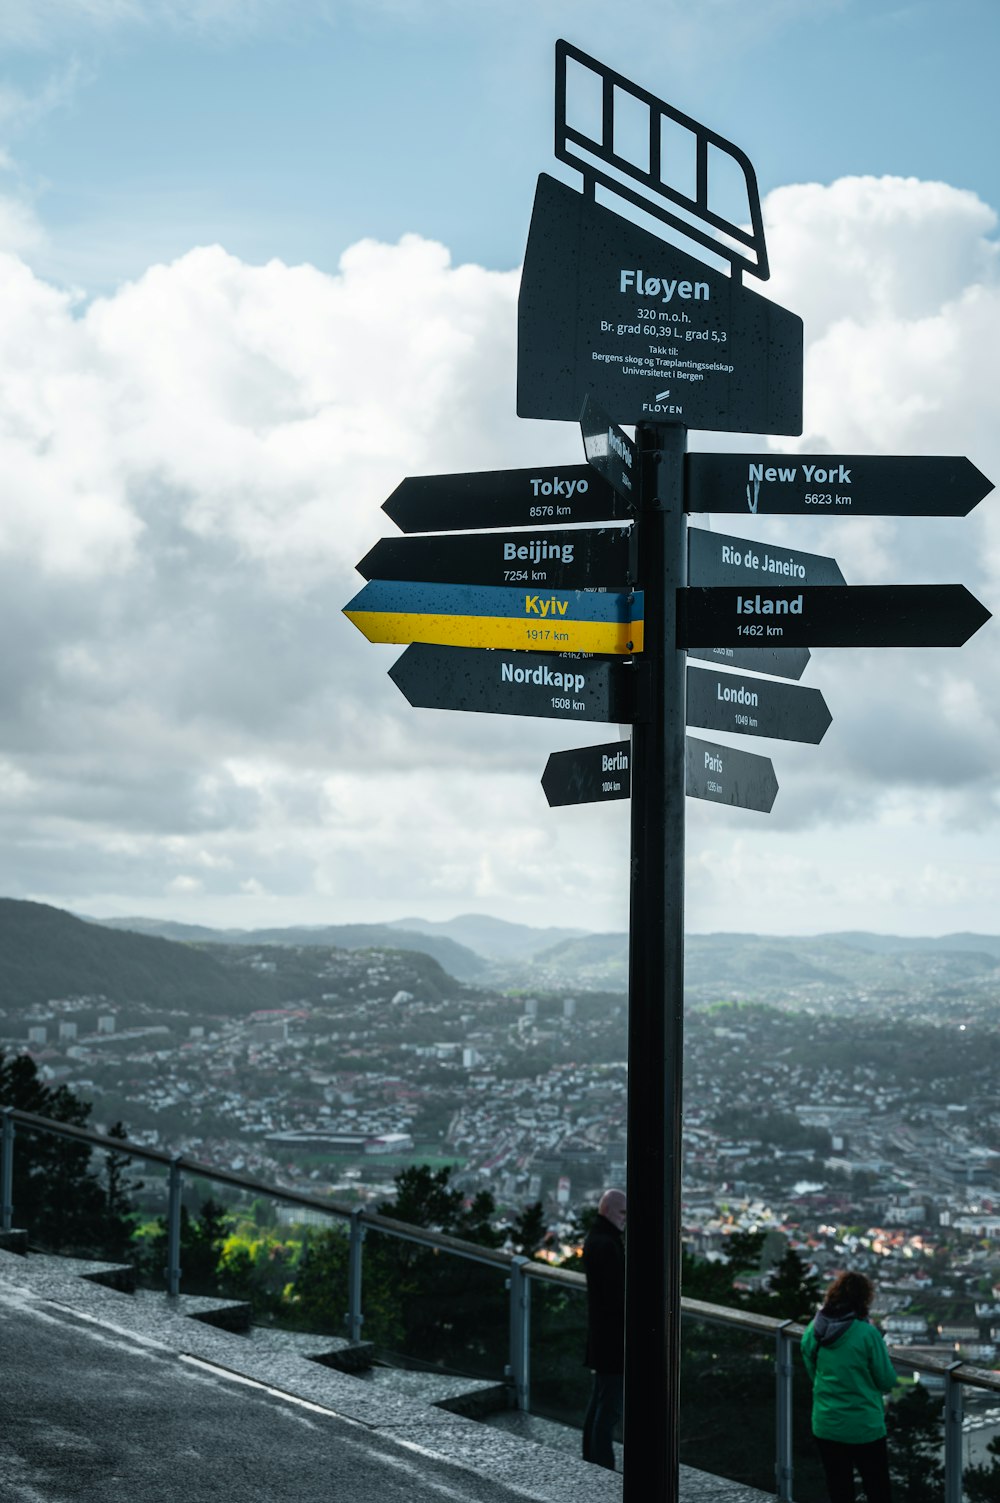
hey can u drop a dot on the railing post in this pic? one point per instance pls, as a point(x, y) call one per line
point(783, 1372)
point(173, 1268)
point(7, 1170)
point(953, 1407)
point(519, 1367)
point(355, 1318)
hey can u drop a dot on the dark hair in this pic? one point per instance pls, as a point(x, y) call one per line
point(851, 1291)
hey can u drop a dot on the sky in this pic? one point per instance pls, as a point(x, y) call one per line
point(259, 260)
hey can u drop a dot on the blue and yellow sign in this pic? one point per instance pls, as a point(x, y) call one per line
point(494, 616)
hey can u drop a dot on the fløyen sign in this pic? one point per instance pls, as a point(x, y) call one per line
point(651, 333)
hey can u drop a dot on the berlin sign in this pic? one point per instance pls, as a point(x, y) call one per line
point(588, 775)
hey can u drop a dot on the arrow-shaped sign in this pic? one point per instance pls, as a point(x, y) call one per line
point(721, 774)
point(611, 452)
point(715, 559)
point(561, 559)
point(588, 775)
point(491, 616)
point(782, 662)
point(840, 485)
point(515, 683)
point(725, 775)
point(755, 706)
point(831, 616)
point(541, 496)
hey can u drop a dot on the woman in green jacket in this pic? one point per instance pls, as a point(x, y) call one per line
point(850, 1370)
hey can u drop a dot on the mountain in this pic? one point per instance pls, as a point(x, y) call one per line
point(772, 966)
point(456, 959)
point(46, 953)
point(495, 939)
point(944, 944)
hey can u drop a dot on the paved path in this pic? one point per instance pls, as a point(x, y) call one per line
point(88, 1415)
point(109, 1399)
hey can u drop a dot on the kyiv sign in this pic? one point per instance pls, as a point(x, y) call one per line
point(492, 616)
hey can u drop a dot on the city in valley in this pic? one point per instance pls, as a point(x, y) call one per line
point(840, 1091)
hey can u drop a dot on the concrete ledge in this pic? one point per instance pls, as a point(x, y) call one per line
point(120, 1276)
point(352, 1357)
point(14, 1241)
point(479, 1402)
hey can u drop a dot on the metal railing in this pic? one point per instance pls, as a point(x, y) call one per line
point(522, 1274)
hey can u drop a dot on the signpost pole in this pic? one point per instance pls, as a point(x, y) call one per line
point(656, 985)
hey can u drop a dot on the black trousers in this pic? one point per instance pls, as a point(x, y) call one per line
point(839, 1462)
point(603, 1414)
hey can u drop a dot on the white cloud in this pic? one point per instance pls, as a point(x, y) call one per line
point(191, 468)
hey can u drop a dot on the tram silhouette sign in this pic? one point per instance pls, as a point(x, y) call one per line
point(609, 310)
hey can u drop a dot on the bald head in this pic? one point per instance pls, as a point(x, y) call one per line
point(612, 1207)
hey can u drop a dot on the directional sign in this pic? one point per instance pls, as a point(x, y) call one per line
point(611, 452)
point(725, 775)
point(834, 485)
point(561, 559)
point(831, 616)
point(589, 775)
point(650, 332)
point(514, 683)
point(714, 559)
point(755, 706)
point(541, 496)
point(782, 662)
point(491, 616)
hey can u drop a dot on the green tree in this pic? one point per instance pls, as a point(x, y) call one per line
point(915, 1427)
point(57, 1196)
point(528, 1232)
point(201, 1241)
point(982, 1482)
point(792, 1293)
point(118, 1191)
point(437, 1310)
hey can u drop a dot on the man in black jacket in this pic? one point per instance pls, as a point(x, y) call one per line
point(604, 1266)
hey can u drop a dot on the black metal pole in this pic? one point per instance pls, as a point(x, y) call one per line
point(656, 985)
